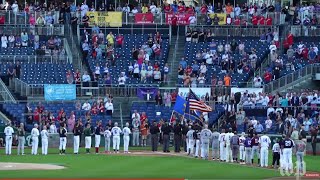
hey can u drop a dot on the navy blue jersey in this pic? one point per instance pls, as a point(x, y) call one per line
point(247, 142)
point(255, 141)
point(288, 143)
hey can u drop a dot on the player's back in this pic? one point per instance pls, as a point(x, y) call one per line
point(126, 131)
point(242, 139)
point(222, 137)
point(235, 140)
point(205, 135)
point(190, 134)
point(264, 141)
point(215, 138)
point(115, 131)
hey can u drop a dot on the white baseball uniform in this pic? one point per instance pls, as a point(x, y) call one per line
point(107, 135)
point(228, 150)
point(242, 139)
point(8, 131)
point(264, 142)
point(287, 153)
point(222, 141)
point(126, 138)
point(190, 141)
point(116, 131)
point(35, 141)
point(205, 140)
point(44, 142)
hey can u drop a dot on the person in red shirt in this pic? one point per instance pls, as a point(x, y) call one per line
point(267, 77)
point(94, 109)
point(36, 115)
point(120, 40)
point(269, 21)
point(173, 118)
point(77, 77)
point(254, 20)
point(290, 39)
point(94, 38)
point(157, 38)
point(204, 9)
point(101, 108)
point(181, 8)
point(188, 70)
point(167, 8)
point(173, 97)
point(143, 117)
point(60, 113)
point(40, 108)
point(261, 20)
point(237, 21)
point(190, 10)
point(305, 53)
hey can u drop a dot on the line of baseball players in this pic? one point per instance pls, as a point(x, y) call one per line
point(228, 146)
point(88, 132)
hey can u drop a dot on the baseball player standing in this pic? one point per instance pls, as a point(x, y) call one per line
point(44, 140)
point(235, 146)
point(222, 141)
point(215, 145)
point(300, 148)
point(97, 136)
point(190, 141)
point(35, 139)
point(286, 150)
point(248, 149)
point(135, 132)
point(107, 136)
point(21, 139)
point(228, 151)
point(63, 138)
point(264, 143)
point(242, 139)
point(205, 141)
point(276, 155)
point(116, 131)
point(126, 138)
point(87, 134)
point(255, 148)
point(196, 136)
point(77, 131)
point(8, 131)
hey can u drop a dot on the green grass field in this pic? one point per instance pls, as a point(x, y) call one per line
point(110, 166)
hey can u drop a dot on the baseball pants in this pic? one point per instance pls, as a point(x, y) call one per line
point(8, 145)
point(63, 143)
point(300, 160)
point(276, 159)
point(242, 153)
point(35, 143)
point(190, 146)
point(21, 142)
point(222, 152)
point(87, 142)
point(287, 158)
point(281, 160)
point(76, 141)
point(235, 151)
point(205, 149)
point(135, 139)
point(228, 153)
point(248, 154)
point(196, 154)
point(255, 150)
point(264, 156)
point(116, 142)
point(166, 141)
point(44, 146)
point(97, 139)
point(126, 140)
point(107, 144)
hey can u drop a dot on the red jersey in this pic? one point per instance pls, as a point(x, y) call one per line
point(269, 21)
point(120, 40)
point(237, 22)
point(143, 118)
point(94, 110)
point(190, 11)
point(261, 20)
point(181, 9)
point(204, 9)
point(77, 77)
point(94, 39)
point(254, 20)
point(101, 108)
point(173, 97)
point(167, 8)
point(36, 116)
point(305, 53)
point(267, 76)
point(189, 70)
point(290, 39)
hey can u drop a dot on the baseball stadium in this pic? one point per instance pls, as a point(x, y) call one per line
point(159, 90)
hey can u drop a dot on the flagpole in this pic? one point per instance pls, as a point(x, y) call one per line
point(171, 116)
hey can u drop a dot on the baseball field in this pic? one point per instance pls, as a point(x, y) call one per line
point(139, 164)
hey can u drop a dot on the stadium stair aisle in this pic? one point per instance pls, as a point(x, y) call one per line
point(173, 76)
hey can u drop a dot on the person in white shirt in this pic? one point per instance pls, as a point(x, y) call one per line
point(35, 139)
point(4, 41)
point(8, 131)
point(44, 140)
point(272, 47)
point(225, 56)
point(264, 143)
point(242, 139)
point(241, 48)
point(134, 10)
point(116, 131)
point(205, 136)
point(53, 128)
point(228, 150)
point(126, 138)
point(254, 122)
point(84, 9)
point(268, 124)
point(192, 20)
point(107, 136)
point(109, 108)
point(11, 40)
point(126, 9)
point(237, 10)
point(86, 106)
point(153, 8)
point(122, 80)
point(257, 81)
point(270, 110)
point(15, 7)
point(86, 77)
point(222, 138)
point(97, 70)
point(203, 68)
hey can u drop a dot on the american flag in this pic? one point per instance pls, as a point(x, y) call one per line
point(196, 104)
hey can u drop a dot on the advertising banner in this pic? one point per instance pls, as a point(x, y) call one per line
point(182, 18)
point(222, 17)
point(143, 18)
point(108, 19)
point(58, 92)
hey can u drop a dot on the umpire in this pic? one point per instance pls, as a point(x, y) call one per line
point(154, 131)
point(166, 130)
point(177, 137)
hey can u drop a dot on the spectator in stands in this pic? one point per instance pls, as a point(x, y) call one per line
point(157, 75)
point(259, 128)
point(227, 80)
point(312, 55)
point(86, 79)
point(77, 76)
point(4, 41)
point(69, 77)
point(109, 108)
point(167, 99)
point(158, 99)
point(268, 124)
point(11, 40)
point(257, 81)
point(71, 121)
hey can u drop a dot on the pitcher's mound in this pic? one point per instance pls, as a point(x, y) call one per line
point(28, 166)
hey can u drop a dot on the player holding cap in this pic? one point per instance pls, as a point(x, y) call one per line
point(264, 143)
point(35, 139)
point(205, 141)
point(107, 136)
point(242, 139)
point(228, 151)
point(286, 150)
point(44, 140)
point(126, 138)
point(63, 138)
point(215, 145)
point(222, 142)
point(8, 131)
point(190, 140)
point(116, 131)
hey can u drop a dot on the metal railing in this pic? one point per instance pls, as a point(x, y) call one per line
point(47, 30)
point(22, 17)
point(74, 46)
point(5, 93)
point(35, 58)
point(296, 76)
point(305, 31)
